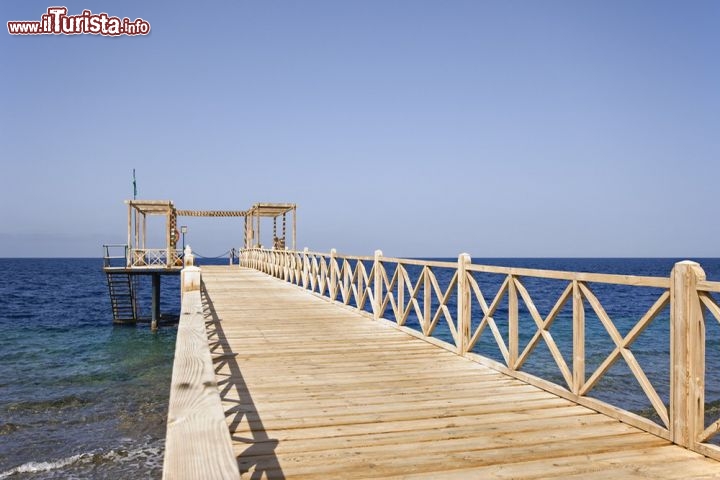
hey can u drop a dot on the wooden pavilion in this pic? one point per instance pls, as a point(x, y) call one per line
point(124, 262)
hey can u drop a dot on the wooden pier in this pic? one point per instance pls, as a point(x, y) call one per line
point(310, 387)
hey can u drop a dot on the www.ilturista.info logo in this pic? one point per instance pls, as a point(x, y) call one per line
point(57, 22)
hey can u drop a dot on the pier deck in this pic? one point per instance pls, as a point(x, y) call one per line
point(314, 390)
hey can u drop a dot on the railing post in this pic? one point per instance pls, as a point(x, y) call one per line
point(188, 257)
point(463, 304)
point(513, 324)
point(427, 300)
point(377, 287)
point(286, 265)
point(332, 288)
point(324, 276)
point(305, 267)
point(687, 355)
point(578, 338)
point(400, 301)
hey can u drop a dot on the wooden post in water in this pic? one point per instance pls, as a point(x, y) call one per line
point(155, 301)
point(687, 354)
point(377, 287)
point(463, 305)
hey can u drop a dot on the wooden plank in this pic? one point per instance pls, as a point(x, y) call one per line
point(708, 286)
point(632, 280)
point(648, 462)
point(198, 442)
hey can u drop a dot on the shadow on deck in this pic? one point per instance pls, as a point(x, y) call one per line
point(258, 459)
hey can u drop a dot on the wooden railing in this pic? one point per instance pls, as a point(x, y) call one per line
point(469, 309)
point(155, 258)
point(197, 443)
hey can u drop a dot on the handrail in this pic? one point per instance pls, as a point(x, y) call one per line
point(386, 288)
point(198, 443)
point(107, 257)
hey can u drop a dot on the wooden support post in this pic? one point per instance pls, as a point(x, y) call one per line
point(400, 294)
point(687, 355)
point(359, 284)
point(128, 252)
point(463, 304)
point(305, 268)
point(135, 219)
point(377, 287)
point(188, 257)
point(513, 327)
point(286, 265)
point(168, 227)
point(245, 234)
point(323, 275)
point(332, 289)
point(155, 301)
point(427, 300)
point(258, 243)
point(578, 339)
point(189, 280)
point(294, 227)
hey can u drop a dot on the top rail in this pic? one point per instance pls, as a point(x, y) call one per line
point(708, 286)
point(632, 280)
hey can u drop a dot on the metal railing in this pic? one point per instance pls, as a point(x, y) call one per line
point(115, 255)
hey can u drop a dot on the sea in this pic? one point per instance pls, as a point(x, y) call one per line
point(83, 398)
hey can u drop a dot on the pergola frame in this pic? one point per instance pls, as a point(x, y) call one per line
point(274, 211)
point(138, 211)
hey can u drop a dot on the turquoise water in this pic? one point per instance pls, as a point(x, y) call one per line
point(79, 397)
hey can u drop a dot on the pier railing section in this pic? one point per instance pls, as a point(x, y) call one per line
point(115, 255)
point(121, 256)
point(155, 257)
point(653, 329)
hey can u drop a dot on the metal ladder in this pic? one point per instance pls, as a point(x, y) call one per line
point(122, 297)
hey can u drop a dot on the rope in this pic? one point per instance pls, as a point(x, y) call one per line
point(223, 255)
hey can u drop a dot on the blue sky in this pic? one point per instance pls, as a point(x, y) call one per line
point(423, 128)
